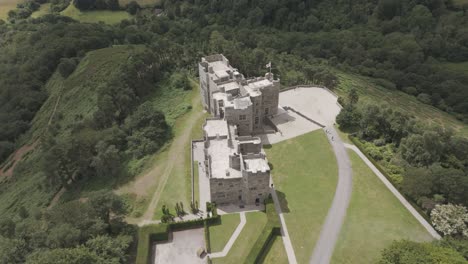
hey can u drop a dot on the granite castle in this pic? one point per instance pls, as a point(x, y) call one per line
point(235, 161)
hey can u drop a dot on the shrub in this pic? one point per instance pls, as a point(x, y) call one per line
point(66, 67)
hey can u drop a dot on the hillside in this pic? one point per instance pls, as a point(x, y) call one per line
point(71, 99)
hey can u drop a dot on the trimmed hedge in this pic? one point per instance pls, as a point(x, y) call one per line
point(147, 235)
point(271, 229)
point(160, 232)
point(207, 238)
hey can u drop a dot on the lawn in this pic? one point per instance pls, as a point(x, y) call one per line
point(241, 248)
point(6, 6)
point(106, 16)
point(220, 234)
point(276, 254)
point(375, 218)
point(370, 92)
point(305, 174)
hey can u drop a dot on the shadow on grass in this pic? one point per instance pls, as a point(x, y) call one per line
point(271, 166)
point(267, 146)
point(268, 247)
point(283, 201)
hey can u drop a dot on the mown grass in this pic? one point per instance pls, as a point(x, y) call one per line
point(241, 248)
point(220, 234)
point(375, 218)
point(370, 92)
point(305, 174)
point(276, 253)
point(106, 16)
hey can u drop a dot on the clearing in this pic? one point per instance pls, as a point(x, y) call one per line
point(106, 16)
point(370, 92)
point(255, 223)
point(375, 218)
point(305, 179)
point(6, 6)
point(220, 233)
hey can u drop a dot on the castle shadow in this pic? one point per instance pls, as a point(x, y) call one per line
point(283, 201)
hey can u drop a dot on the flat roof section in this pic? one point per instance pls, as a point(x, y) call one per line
point(242, 103)
point(215, 128)
point(219, 152)
point(256, 165)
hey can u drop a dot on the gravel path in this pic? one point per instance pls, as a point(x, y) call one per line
point(336, 214)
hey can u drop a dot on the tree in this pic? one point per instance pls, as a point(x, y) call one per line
point(450, 219)
point(418, 182)
point(77, 255)
point(133, 7)
point(112, 249)
point(353, 96)
point(66, 67)
point(409, 252)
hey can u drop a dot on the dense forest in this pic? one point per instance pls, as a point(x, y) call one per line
point(401, 45)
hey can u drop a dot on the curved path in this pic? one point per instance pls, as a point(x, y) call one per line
point(336, 214)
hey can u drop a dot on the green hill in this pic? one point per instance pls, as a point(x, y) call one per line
point(69, 101)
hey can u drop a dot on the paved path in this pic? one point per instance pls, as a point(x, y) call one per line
point(233, 238)
point(336, 214)
point(284, 230)
point(395, 192)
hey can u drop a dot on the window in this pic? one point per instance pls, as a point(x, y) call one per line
point(266, 111)
point(253, 188)
point(221, 103)
point(220, 184)
point(256, 120)
point(242, 117)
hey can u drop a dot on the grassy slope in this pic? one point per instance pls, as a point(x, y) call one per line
point(305, 171)
point(375, 218)
point(6, 6)
point(43, 10)
point(276, 254)
point(241, 248)
point(78, 96)
point(220, 234)
point(370, 92)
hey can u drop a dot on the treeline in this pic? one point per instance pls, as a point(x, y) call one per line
point(89, 231)
point(97, 4)
point(399, 42)
point(428, 162)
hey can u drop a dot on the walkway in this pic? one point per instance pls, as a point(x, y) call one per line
point(336, 214)
point(395, 192)
point(233, 238)
point(284, 230)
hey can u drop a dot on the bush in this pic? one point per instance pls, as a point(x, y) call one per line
point(66, 67)
point(133, 7)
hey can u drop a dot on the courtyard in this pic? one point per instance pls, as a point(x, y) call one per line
point(298, 105)
point(181, 248)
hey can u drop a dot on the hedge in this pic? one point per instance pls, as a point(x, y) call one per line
point(160, 232)
point(147, 235)
point(271, 229)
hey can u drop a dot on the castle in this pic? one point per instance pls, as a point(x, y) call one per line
point(235, 161)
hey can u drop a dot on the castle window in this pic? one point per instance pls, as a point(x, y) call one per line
point(220, 184)
point(256, 120)
point(266, 111)
point(242, 117)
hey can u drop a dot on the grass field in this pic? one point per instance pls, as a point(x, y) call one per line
point(241, 248)
point(305, 174)
point(7, 5)
point(220, 234)
point(106, 16)
point(375, 218)
point(276, 254)
point(370, 92)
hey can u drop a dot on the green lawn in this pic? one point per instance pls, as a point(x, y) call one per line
point(305, 174)
point(276, 254)
point(249, 235)
point(106, 16)
point(220, 234)
point(375, 218)
point(370, 92)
